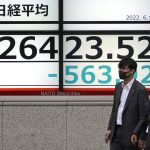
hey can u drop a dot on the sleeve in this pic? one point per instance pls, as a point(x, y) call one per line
point(143, 134)
point(146, 126)
point(144, 107)
point(112, 113)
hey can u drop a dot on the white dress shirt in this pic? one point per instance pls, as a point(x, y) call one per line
point(125, 92)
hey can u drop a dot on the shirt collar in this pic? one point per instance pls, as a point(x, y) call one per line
point(128, 85)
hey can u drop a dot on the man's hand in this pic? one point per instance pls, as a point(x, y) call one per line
point(141, 144)
point(134, 139)
point(107, 136)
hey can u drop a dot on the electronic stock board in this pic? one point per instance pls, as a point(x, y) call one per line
point(71, 47)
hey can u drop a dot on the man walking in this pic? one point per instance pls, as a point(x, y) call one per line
point(129, 108)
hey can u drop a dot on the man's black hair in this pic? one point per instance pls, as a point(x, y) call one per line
point(129, 62)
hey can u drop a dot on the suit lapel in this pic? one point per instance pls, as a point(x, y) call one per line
point(131, 93)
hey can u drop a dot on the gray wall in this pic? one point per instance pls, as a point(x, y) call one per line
point(54, 122)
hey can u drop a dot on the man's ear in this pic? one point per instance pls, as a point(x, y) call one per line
point(133, 71)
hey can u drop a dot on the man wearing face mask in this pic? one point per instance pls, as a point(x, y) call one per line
point(129, 109)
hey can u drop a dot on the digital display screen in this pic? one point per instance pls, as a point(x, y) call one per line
point(29, 15)
point(91, 61)
point(106, 10)
point(71, 47)
point(27, 60)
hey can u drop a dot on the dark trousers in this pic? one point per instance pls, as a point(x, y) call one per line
point(117, 144)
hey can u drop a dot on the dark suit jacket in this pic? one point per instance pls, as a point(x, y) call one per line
point(148, 138)
point(134, 112)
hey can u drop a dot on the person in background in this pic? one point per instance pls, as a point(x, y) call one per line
point(129, 108)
